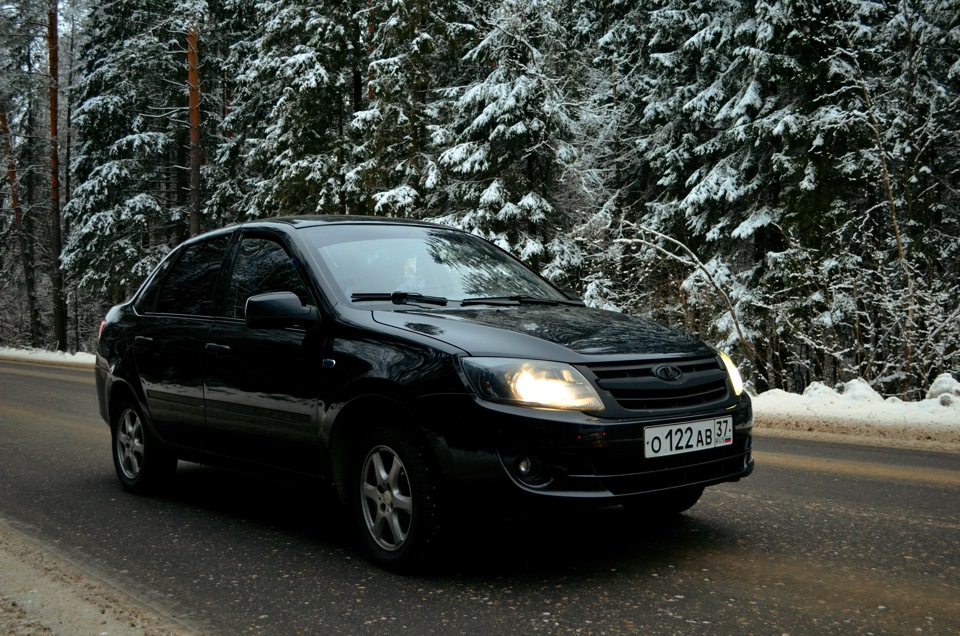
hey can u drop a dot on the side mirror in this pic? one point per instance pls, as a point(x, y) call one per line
point(280, 310)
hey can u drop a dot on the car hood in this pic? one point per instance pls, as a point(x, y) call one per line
point(548, 332)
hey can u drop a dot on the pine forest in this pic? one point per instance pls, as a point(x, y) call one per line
point(780, 177)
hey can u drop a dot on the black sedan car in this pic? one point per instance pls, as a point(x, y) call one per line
point(412, 367)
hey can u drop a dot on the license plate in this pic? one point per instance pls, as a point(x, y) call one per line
point(687, 437)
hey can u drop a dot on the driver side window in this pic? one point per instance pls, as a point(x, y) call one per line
point(263, 266)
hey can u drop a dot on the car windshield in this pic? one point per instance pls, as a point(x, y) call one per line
point(404, 263)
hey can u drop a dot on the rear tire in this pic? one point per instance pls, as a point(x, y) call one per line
point(142, 464)
point(395, 499)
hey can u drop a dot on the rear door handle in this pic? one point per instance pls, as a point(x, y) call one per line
point(217, 349)
point(142, 342)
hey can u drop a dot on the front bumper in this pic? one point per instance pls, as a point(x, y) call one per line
point(570, 455)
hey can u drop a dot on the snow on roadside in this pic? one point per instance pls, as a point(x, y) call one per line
point(42, 592)
point(57, 358)
point(856, 409)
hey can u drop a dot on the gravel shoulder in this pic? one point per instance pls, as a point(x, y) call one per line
point(41, 592)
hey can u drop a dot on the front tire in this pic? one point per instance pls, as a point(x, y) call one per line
point(142, 465)
point(395, 500)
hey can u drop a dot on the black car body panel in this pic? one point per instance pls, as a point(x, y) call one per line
point(574, 331)
point(295, 398)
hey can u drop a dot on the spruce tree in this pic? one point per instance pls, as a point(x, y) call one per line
point(414, 49)
point(508, 141)
point(299, 82)
point(130, 204)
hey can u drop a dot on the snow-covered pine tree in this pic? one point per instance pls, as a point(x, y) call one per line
point(507, 144)
point(132, 123)
point(766, 190)
point(900, 62)
point(237, 47)
point(24, 186)
point(769, 133)
point(414, 48)
point(611, 33)
point(716, 157)
point(668, 66)
point(288, 147)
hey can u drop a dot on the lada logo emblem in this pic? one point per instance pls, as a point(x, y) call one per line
point(668, 372)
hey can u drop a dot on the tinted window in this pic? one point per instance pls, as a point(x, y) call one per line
point(263, 267)
point(191, 286)
point(147, 302)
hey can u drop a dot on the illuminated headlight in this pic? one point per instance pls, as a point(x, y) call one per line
point(735, 378)
point(552, 385)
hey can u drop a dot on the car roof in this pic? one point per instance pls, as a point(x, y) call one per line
point(299, 222)
point(307, 221)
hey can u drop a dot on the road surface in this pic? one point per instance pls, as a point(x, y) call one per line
point(823, 538)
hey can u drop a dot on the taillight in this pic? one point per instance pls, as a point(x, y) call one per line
point(103, 323)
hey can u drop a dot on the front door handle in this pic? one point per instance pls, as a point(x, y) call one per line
point(217, 349)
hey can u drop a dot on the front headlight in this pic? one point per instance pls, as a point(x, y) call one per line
point(552, 385)
point(735, 378)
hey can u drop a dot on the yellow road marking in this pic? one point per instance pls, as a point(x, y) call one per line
point(84, 422)
point(83, 379)
point(937, 476)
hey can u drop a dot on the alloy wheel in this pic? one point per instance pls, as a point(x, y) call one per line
point(386, 498)
point(130, 444)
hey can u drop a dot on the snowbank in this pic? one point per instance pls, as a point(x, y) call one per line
point(856, 409)
point(56, 358)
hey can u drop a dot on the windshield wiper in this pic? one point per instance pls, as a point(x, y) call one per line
point(518, 299)
point(401, 298)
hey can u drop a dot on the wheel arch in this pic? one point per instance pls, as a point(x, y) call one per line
point(120, 392)
point(358, 417)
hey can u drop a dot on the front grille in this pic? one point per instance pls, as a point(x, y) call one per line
point(635, 386)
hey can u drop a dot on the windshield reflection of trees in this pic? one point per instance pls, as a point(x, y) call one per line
point(436, 261)
point(482, 269)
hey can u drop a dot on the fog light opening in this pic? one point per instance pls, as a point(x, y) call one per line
point(532, 471)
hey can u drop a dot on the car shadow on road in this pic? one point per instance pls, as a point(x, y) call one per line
point(558, 543)
point(535, 544)
point(300, 507)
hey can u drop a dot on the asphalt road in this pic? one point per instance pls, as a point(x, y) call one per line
point(824, 538)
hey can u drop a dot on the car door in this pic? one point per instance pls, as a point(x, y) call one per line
point(170, 337)
point(261, 385)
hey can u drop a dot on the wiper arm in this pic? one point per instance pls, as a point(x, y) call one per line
point(513, 300)
point(400, 298)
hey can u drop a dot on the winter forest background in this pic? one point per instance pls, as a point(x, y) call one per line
point(781, 178)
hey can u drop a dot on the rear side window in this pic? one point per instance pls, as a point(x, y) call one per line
point(191, 286)
point(263, 267)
